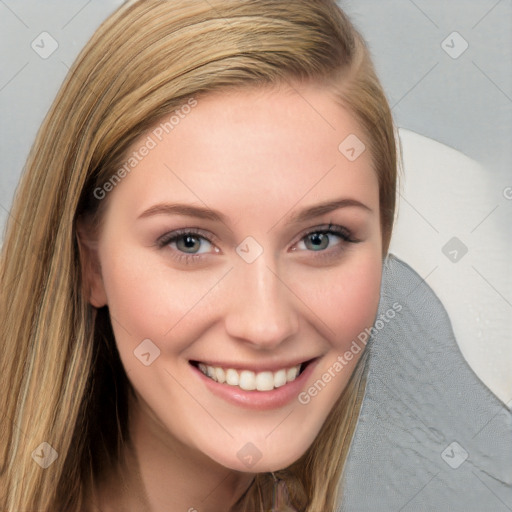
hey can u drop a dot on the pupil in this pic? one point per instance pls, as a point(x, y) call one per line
point(189, 242)
point(317, 240)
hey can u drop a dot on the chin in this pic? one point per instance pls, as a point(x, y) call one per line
point(250, 459)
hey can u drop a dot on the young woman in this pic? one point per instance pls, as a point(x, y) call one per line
point(194, 251)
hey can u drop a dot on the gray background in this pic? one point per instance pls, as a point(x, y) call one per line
point(465, 103)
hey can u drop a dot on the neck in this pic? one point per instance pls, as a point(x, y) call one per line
point(159, 473)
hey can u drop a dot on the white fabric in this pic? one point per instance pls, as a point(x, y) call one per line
point(444, 195)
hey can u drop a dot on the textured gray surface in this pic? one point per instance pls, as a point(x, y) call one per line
point(430, 436)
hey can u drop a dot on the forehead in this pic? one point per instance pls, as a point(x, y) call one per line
point(259, 148)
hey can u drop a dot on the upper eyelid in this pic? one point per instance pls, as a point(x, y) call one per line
point(211, 238)
point(324, 227)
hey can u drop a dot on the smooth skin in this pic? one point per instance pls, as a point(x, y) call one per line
point(259, 157)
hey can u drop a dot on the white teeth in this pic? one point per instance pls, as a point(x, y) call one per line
point(232, 377)
point(291, 373)
point(280, 378)
point(249, 380)
point(220, 375)
point(265, 381)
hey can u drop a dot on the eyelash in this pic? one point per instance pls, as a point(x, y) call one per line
point(188, 259)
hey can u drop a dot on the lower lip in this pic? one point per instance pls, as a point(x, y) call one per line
point(259, 400)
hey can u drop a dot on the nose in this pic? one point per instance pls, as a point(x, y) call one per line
point(261, 311)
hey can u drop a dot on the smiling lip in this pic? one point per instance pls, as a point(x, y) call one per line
point(258, 400)
point(260, 367)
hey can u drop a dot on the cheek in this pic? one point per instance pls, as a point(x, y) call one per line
point(346, 299)
point(146, 300)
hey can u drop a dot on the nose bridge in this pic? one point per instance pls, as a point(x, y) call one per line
point(261, 311)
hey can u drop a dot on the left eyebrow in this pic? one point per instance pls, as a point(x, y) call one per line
point(327, 207)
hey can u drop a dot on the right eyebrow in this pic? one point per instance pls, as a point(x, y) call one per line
point(185, 210)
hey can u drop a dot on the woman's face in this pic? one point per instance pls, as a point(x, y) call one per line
point(245, 242)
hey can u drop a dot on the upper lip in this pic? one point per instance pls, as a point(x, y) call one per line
point(271, 366)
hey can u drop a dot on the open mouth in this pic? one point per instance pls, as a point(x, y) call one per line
point(249, 380)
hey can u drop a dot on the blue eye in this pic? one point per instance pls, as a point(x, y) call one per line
point(187, 244)
point(191, 245)
point(322, 243)
point(319, 240)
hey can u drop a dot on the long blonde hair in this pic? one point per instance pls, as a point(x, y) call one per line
point(61, 377)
